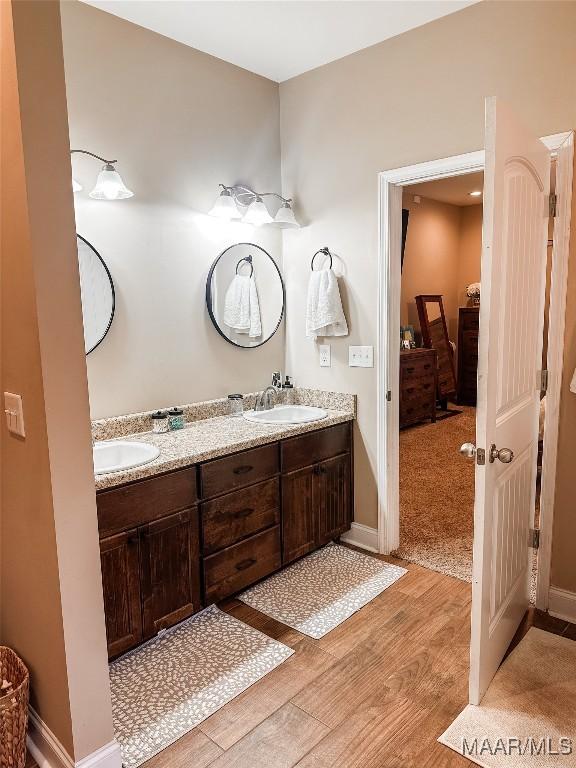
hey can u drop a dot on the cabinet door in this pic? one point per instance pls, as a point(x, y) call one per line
point(120, 563)
point(170, 567)
point(299, 528)
point(332, 497)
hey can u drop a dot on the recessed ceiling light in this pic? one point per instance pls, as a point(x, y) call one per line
point(476, 193)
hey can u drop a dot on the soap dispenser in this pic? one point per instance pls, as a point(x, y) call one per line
point(288, 388)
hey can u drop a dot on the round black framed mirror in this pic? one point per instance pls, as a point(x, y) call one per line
point(245, 295)
point(97, 294)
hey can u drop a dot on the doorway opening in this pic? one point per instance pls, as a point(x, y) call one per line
point(395, 186)
point(439, 332)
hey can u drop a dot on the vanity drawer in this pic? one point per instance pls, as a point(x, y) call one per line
point(146, 500)
point(231, 518)
point(236, 471)
point(313, 447)
point(236, 567)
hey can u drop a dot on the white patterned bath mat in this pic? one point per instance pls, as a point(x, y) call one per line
point(165, 688)
point(322, 590)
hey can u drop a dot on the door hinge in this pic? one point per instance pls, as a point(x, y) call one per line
point(543, 381)
point(552, 205)
point(534, 538)
point(480, 456)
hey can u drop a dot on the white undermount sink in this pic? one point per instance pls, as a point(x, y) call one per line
point(286, 414)
point(116, 455)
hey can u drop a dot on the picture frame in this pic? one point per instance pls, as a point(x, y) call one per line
point(407, 337)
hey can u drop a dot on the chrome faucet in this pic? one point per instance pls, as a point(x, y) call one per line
point(266, 400)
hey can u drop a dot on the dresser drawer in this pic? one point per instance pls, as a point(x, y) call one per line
point(417, 366)
point(234, 568)
point(416, 410)
point(147, 500)
point(231, 518)
point(239, 470)
point(424, 387)
point(313, 447)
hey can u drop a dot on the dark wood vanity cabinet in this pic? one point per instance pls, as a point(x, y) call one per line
point(175, 542)
point(170, 576)
point(317, 496)
point(120, 562)
point(151, 571)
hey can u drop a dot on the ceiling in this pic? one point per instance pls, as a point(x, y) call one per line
point(454, 190)
point(280, 39)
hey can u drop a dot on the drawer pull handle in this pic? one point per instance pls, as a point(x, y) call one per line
point(243, 564)
point(244, 469)
point(409, 370)
point(243, 513)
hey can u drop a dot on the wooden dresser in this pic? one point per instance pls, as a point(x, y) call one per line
point(468, 325)
point(418, 382)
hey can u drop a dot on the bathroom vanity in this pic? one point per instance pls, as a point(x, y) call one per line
point(174, 542)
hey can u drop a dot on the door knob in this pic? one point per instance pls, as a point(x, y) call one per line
point(468, 450)
point(505, 455)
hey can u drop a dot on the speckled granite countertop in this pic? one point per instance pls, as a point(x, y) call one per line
point(210, 438)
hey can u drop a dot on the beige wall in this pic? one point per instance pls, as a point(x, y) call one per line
point(564, 534)
point(180, 122)
point(51, 609)
point(469, 251)
point(413, 98)
point(431, 258)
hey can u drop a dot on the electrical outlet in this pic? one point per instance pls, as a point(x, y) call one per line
point(361, 357)
point(324, 352)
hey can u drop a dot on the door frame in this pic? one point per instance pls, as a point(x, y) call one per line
point(390, 184)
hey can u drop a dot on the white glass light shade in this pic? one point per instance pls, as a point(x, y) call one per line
point(225, 207)
point(285, 216)
point(76, 186)
point(109, 185)
point(257, 213)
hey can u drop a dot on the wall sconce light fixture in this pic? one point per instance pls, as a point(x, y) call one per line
point(109, 184)
point(232, 200)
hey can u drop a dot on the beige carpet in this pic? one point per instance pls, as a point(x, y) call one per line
point(323, 589)
point(437, 495)
point(530, 707)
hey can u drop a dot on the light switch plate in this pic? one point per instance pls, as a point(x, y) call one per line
point(361, 357)
point(14, 414)
point(324, 355)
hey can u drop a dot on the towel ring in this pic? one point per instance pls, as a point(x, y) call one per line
point(326, 252)
point(249, 260)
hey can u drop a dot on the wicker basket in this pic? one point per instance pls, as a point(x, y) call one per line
point(13, 710)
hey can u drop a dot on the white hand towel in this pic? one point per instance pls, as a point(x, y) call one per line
point(237, 304)
point(324, 313)
point(241, 306)
point(255, 321)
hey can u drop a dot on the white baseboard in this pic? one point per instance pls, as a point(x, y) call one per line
point(48, 752)
point(362, 536)
point(562, 604)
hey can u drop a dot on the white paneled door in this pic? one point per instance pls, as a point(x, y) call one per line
point(516, 192)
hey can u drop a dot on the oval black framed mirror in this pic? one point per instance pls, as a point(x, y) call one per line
point(97, 294)
point(245, 295)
